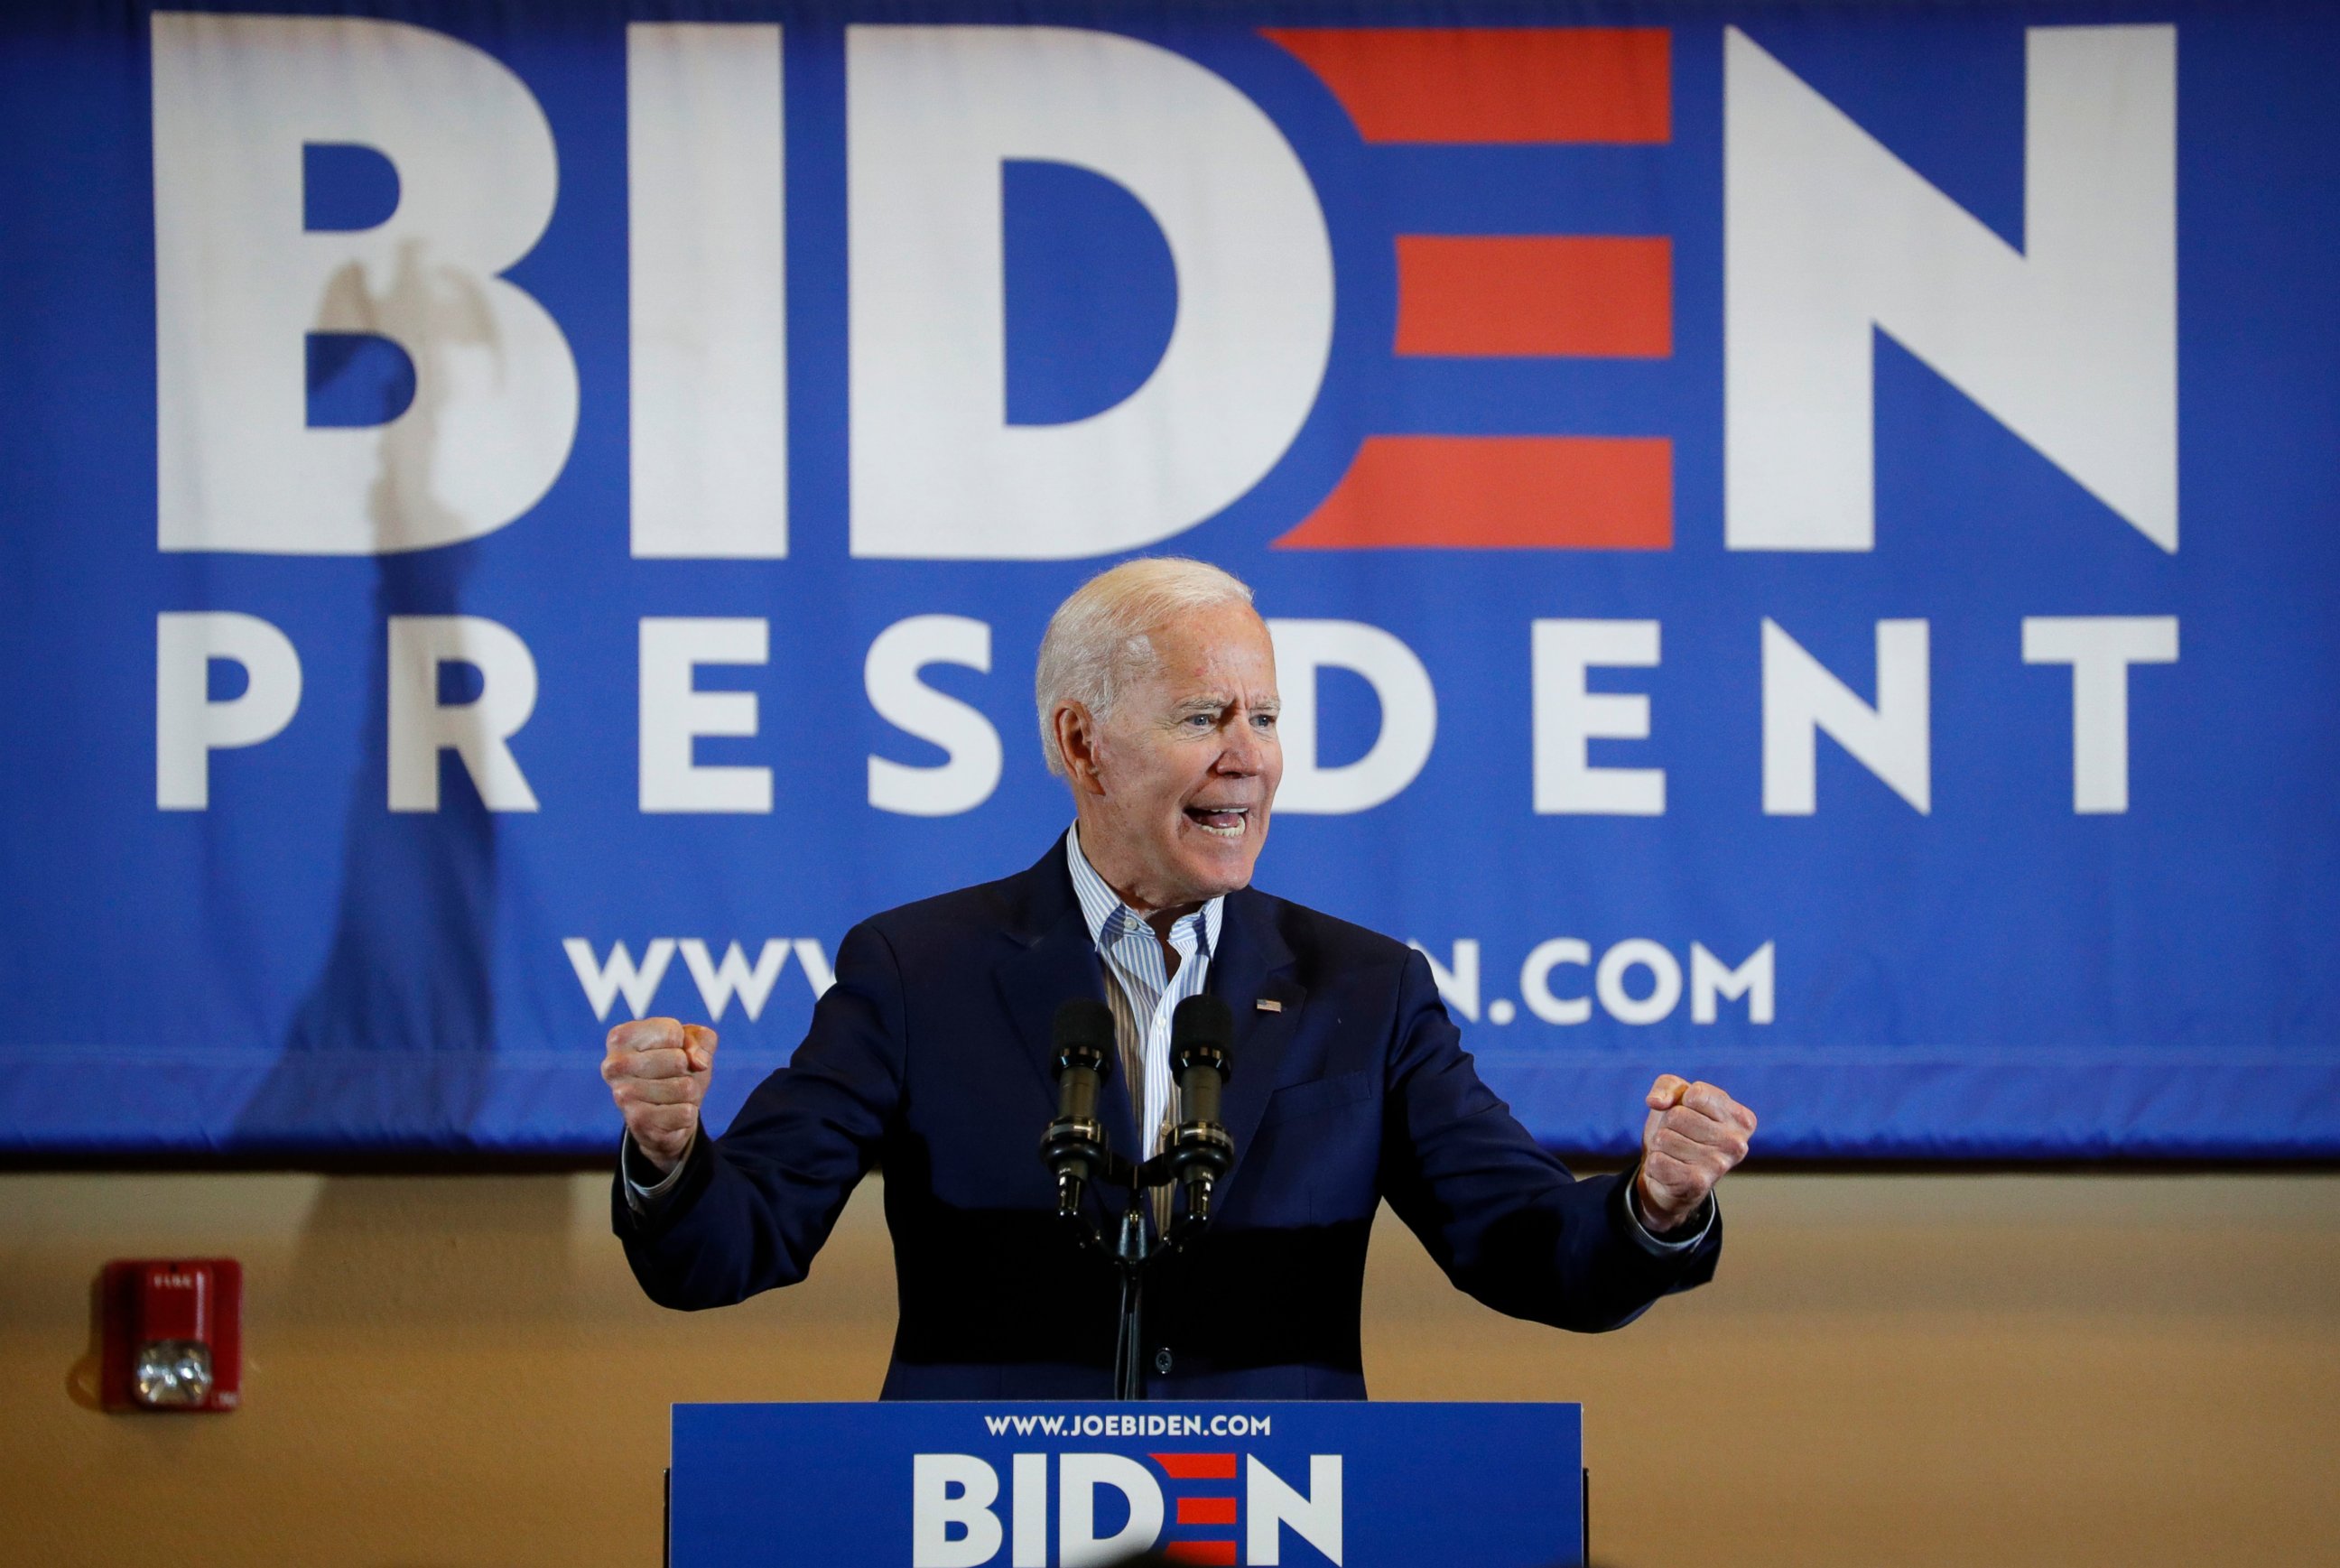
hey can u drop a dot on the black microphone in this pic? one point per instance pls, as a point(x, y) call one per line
point(1074, 1145)
point(1201, 1032)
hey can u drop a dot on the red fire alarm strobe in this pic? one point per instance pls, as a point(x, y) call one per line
point(174, 1333)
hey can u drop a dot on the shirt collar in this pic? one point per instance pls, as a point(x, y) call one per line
point(1110, 919)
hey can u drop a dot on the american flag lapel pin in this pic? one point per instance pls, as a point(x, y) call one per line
point(1268, 1005)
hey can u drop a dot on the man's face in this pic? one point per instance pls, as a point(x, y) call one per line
point(1173, 807)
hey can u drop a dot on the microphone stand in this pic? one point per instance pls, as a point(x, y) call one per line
point(1129, 1257)
point(1076, 1149)
point(1130, 1253)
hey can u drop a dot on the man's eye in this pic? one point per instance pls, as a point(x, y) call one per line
point(1264, 720)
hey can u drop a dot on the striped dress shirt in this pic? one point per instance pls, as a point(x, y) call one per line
point(1141, 994)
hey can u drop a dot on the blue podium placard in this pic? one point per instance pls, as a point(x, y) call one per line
point(963, 1485)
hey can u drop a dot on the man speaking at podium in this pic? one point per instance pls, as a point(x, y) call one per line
point(932, 1056)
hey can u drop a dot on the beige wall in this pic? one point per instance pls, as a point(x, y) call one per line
point(1890, 1369)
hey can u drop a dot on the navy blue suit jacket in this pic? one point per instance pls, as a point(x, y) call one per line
point(930, 1057)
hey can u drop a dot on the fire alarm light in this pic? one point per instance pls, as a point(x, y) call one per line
point(173, 1333)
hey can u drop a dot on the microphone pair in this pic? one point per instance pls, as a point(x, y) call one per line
point(1199, 1151)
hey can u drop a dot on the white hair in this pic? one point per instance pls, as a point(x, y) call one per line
point(1100, 640)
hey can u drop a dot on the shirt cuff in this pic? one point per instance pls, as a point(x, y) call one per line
point(1671, 1244)
point(644, 1197)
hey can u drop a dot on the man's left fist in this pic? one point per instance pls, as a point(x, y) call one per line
point(1694, 1133)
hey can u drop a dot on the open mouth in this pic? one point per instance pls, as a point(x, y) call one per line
point(1226, 821)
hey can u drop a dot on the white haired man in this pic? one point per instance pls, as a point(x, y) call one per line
point(931, 1055)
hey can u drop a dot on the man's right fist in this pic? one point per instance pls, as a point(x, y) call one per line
point(656, 1070)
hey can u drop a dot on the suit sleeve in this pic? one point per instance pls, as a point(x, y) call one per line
point(754, 1206)
point(1503, 1218)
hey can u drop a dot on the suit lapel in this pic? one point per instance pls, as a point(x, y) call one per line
point(1055, 960)
point(1253, 965)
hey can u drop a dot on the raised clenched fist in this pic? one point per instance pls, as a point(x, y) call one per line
point(1694, 1133)
point(656, 1070)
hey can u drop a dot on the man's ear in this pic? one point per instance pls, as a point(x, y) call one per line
point(1076, 733)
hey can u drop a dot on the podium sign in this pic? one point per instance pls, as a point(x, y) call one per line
point(974, 1485)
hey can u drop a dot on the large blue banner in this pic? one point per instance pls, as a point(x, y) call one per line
point(1802, 541)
